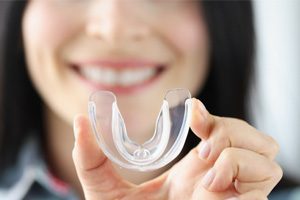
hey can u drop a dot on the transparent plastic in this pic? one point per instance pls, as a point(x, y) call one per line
point(172, 126)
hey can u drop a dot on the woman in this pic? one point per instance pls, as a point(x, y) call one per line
point(55, 53)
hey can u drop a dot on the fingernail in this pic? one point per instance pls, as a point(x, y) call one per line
point(208, 178)
point(233, 198)
point(75, 127)
point(204, 150)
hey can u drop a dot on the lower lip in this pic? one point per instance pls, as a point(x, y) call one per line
point(122, 90)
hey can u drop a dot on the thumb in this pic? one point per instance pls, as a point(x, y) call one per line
point(96, 174)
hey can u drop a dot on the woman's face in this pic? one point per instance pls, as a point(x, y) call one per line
point(136, 48)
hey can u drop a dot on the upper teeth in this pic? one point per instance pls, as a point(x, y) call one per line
point(125, 77)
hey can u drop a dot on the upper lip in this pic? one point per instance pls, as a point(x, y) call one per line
point(119, 64)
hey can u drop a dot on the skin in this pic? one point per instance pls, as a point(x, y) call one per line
point(57, 33)
point(223, 165)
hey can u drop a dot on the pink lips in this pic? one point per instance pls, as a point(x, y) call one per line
point(119, 65)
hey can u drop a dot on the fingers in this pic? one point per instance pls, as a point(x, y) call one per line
point(245, 169)
point(218, 133)
point(94, 170)
point(241, 155)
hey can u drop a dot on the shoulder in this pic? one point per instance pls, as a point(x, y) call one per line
point(16, 180)
point(30, 178)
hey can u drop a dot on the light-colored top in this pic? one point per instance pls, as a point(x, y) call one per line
point(30, 178)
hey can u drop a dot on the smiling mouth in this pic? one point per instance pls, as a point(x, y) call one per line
point(119, 78)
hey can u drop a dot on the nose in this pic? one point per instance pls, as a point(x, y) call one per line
point(116, 21)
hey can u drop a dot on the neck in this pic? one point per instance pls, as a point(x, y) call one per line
point(59, 145)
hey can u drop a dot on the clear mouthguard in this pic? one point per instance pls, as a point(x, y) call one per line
point(171, 129)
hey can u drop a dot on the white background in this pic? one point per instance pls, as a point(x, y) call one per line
point(275, 104)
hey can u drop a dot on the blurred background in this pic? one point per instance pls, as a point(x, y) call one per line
point(275, 95)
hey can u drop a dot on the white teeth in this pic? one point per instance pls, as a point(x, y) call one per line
point(111, 77)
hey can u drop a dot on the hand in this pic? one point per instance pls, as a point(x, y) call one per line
point(233, 160)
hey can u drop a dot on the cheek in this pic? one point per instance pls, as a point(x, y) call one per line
point(45, 27)
point(185, 39)
point(189, 35)
point(190, 40)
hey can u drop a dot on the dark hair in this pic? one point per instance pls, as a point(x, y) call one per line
point(20, 105)
point(232, 35)
point(230, 25)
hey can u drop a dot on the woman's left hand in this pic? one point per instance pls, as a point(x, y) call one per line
point(233, 160)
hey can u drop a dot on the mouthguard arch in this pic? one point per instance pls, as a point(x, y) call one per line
point(171, 129)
